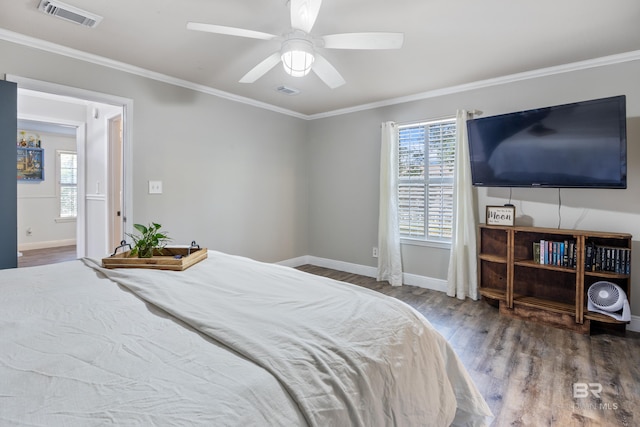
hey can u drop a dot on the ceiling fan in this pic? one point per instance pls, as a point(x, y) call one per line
point(298, 50)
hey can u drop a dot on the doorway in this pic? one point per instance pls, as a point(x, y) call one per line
point(46, 207)
point(106, 128)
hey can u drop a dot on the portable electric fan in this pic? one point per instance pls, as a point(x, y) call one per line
point(609, 298)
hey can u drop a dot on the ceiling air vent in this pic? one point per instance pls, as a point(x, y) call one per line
point(287, 90)
point(69, 13)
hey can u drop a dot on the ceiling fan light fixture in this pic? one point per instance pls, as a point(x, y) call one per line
point(297, 51)
point(297, 57)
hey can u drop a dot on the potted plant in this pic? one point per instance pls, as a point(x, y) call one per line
point(150, 240)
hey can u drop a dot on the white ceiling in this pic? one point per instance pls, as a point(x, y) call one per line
point(447, 42)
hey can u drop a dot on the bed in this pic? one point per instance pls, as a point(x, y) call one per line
point(228, 342)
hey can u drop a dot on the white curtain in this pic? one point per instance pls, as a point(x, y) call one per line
point(462, 277)
point(389, 260)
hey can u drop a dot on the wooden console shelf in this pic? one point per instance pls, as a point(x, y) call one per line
point(515, 276)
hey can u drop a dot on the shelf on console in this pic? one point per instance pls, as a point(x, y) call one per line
point(547, 293)
point(549, 305)
point(493, 258)
point(533, 264)
point(606, 274)
point(602, 318)
point(496, 294)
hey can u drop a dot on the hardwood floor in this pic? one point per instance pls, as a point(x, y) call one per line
point(527, 371)
point(46, 256)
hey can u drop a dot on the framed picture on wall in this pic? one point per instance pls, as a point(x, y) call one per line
point(30, 164)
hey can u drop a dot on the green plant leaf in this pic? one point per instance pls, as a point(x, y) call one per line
point(141, 228)
point(150, 239)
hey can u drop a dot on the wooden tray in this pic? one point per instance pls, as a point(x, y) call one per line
point(166, 260)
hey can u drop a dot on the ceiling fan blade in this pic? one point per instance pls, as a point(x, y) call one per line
point(364, 41)
point(304, 14)
point(231, 31)
point(327, 72)
point(261, 69)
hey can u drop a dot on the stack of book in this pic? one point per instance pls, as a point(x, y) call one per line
point(555, 253)
point(607, 258)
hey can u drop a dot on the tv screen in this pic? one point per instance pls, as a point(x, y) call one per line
point(578, 145)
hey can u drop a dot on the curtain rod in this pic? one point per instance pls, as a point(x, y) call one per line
point(471, 113)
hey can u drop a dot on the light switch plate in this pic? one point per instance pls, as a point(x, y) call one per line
point(155, 187)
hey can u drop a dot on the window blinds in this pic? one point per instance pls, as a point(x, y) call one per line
point(426, 200)
point(68, 185)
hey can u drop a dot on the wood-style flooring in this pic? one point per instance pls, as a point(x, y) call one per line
point(45, 256)
point(527, 371)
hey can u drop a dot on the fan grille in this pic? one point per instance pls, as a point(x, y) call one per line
point(604, 294)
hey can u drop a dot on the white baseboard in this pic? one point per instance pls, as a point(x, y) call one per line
point(48, 244)
point(407, 278)
point(424, 282)
point(364, 270)
point(348, 267)
point(295, 262)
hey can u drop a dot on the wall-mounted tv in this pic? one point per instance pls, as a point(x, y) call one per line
point(578, 145)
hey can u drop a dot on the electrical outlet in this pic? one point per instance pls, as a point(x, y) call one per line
point(375, 252)
point(29, 231)
point(155, 187)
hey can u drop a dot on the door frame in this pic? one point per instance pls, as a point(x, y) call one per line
point(115, 167)
point(127, 138)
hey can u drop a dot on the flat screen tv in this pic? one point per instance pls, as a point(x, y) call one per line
point(578, 145)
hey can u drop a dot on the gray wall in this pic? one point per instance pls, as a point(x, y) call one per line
point(344, 161)
point(257, 183)
point(234, 176)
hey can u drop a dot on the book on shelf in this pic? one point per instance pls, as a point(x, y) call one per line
point(607, 258)
point(596, 257)
point(559, 253)
point(589, 251)
point(536, 252)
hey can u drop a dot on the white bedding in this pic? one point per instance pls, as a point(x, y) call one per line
point(260, 345)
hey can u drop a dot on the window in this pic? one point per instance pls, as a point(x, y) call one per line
point(68, 184)
point(425, 181)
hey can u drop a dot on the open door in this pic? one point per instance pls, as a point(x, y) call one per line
point(116, 208)
point(8, 182)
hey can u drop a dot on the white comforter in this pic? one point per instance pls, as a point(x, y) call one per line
point(274, 346)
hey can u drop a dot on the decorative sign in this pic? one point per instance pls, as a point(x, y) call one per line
point(501, 215)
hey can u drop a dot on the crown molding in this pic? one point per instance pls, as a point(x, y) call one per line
point(49, 47)
point(527, 75)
